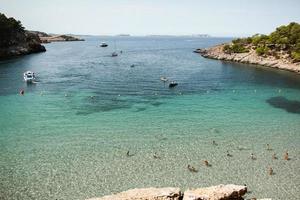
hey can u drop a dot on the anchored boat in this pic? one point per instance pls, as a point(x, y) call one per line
point(29, 76)
point(103, 44)
point(164, 79)
point(172, 84)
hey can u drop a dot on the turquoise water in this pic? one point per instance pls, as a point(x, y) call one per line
point(68, 136)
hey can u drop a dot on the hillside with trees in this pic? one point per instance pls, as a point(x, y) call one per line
point(283, 42)
point(15, 40)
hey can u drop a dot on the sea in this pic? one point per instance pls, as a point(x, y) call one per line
point(93, 125)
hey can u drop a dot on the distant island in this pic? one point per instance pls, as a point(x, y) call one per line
point(124, 35)
point(280, 49)
point(15, 40)
point(193, 35)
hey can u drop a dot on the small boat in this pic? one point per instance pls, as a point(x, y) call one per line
point(114, 54)
point(164, 79)
point(173, 84)
point(29, 76)
point(103, 44)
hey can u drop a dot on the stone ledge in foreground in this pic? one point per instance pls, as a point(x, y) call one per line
point(220, 192)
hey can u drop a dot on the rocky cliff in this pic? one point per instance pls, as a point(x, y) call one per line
point(250, 57)
point(280, 49)
point(15, 40)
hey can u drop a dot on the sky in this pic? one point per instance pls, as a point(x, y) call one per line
point(159, 17)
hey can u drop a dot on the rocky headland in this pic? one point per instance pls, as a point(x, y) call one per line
point(219, 192)
point(250, 57)
point(280, 49)
point(15, 40)
point(45, 38)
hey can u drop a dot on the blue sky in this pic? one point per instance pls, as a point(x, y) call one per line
point(142, 17)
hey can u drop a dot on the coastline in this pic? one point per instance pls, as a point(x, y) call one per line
point(59, 38)
point(23, 44)
point(216, 52)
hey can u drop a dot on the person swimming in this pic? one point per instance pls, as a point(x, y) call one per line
point(156, 156)
point(286, 156)
point(22, 92)
point(270, 170)
point(274, 156)
point(228, 154)
point(252, 156)
point(192, 169)
point(128, 154)
point(206, 163)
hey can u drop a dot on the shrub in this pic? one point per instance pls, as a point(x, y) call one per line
point(262, 50)
point(235, 48)
point(296, 56)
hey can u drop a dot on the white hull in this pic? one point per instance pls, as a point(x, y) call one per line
point(29, 77)
point(28, 80)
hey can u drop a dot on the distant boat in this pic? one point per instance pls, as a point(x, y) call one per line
point(29, 76)
point(164, 79)
point(103, 44)
point(172, 84)
point(114, 54)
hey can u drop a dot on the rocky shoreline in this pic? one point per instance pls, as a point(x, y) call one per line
point(219, 192)
point(48, 38)
point(23, 44)
point(250, 57)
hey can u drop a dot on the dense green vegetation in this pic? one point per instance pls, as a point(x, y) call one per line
point(11, 31)
point(286, 39)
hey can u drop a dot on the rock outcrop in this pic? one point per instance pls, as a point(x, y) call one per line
point(59, 38)
point(15, 40)
point(47, 38)
point(23, 44)
point(250, 57)
point(146, 194)
point(220, 192)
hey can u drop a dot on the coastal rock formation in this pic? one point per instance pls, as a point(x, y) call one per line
point(15, 40)
point(24, 44)
point(250, 57)
point(280, 49)
point(47, 38)
point(146, 194)
point(220, 192)
point(58, 38)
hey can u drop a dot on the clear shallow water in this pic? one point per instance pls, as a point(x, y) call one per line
point(57, 142)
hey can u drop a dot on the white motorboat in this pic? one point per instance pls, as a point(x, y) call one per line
point(103, 44)
point(114, 54)
point(173, 84)
point(164, 79)
point(29, 76)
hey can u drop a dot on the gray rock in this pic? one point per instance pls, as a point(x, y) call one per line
point(220, 192)
point(145, 194)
